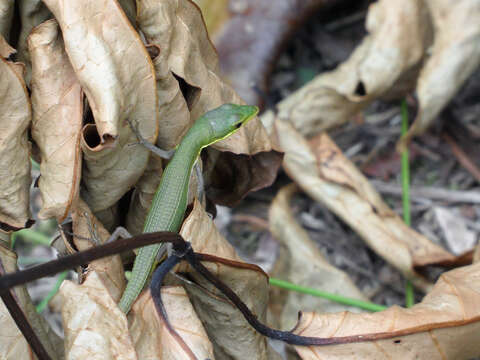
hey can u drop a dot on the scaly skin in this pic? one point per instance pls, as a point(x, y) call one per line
point(168, 206)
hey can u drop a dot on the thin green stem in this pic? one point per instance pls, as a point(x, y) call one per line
point(43, 304)
point(323, 294)
point(409, 291)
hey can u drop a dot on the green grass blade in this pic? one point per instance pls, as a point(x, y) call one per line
point(409, 291)
point(326, 295)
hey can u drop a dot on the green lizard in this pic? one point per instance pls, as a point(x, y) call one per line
point(170, 201)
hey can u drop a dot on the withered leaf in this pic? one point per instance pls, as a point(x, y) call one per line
point(15, 117)
point(355, 201)
point(444, 325)
point(384, 64)
point(119, 81)
point(57, 102)
point(455, 55)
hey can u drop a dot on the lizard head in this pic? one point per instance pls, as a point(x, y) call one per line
point(226, 120)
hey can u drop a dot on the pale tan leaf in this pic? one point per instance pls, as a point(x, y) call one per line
point(119, 81)
point(305, 265)
point(32, 13)
point(95, 328)
point(57, 102)
point(455, 55)
point(15, 117)
point(385, 61)
point(443, 326)
point(110, 269)
point(151, 336)
point(385, 233)
point(178, 29)
point(231, 335)
point(12, 343)
point(6, 16)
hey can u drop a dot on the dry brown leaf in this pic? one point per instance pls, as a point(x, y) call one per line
point(151, 336)
point(119, 81)
point(305, 265)
point(178, 29)
point(443, 326)
point(231, 335)
point(6, 16)
point(12, 343)
point(383, 231)
point(387, 60)
point(15, 117)
point(110, 269)
point(32, 13)
point(455, 55)
point(57, 102)
point(95, 328)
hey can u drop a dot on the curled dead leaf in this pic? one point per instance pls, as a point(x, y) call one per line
point(364, 211)
point(57, 102)
point(386, 60)
point(119, 81)
point(15, 117)
point(455, 55)
point(443, 326)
